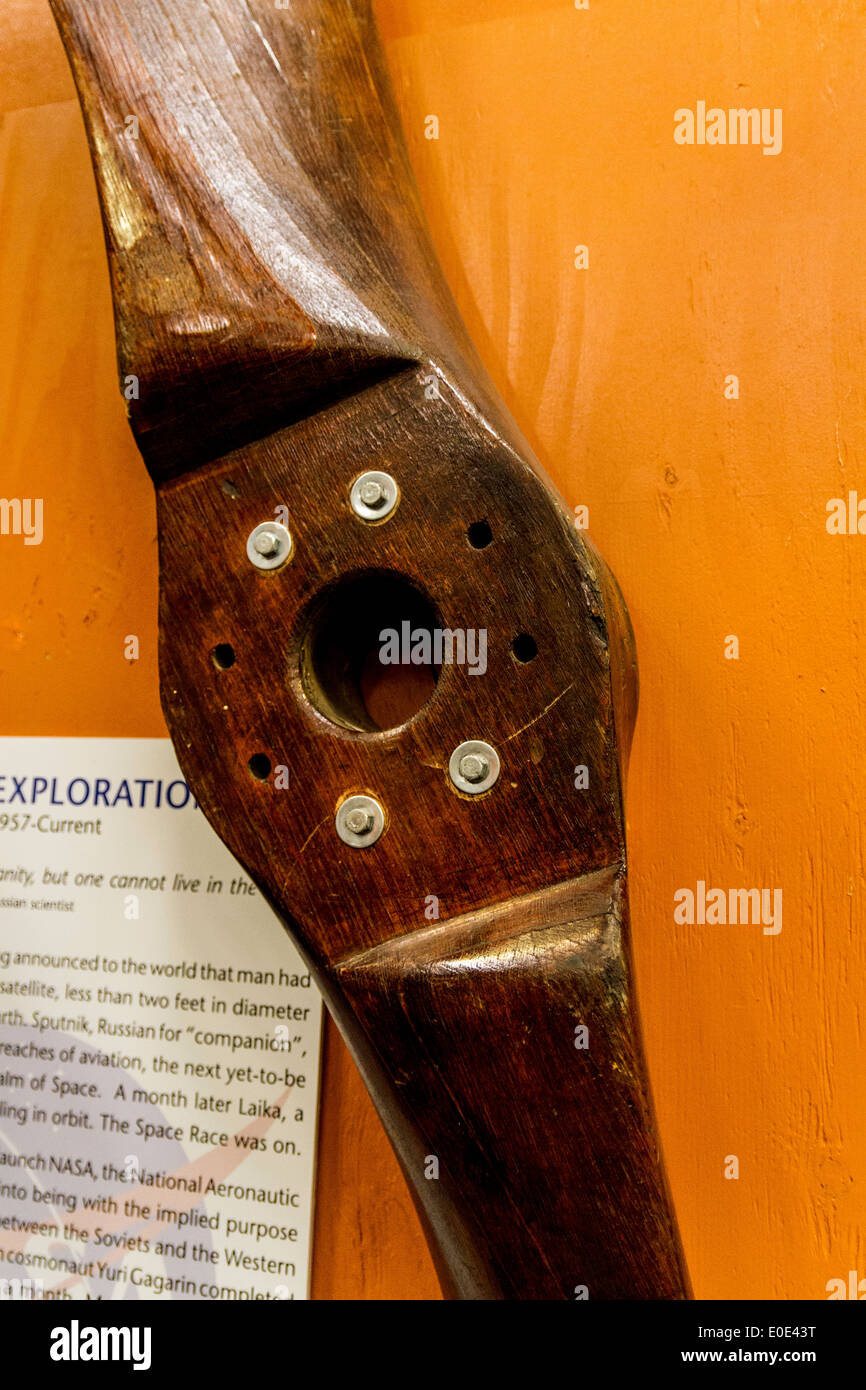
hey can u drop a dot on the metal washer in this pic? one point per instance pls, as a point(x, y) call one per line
point(359, 803)
point(388, 504)
point(480, 749)
point(282, 552)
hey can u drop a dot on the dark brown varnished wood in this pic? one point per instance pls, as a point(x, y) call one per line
point(280, 305)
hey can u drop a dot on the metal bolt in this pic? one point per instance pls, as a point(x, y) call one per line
point(266, 543)
point(269, 545)
point(474, 766)
point(371, 493)
point(359, 821)
point(373, 496)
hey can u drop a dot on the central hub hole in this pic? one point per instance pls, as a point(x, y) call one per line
point(348, 631)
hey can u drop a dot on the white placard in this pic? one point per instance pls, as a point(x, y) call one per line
point(159, 1041)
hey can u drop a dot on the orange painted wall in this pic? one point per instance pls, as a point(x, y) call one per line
point(556, 129)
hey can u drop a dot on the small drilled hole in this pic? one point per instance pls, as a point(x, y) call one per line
point(524, 647)
point(223, 656)
point(260, 766)
point(479, 535)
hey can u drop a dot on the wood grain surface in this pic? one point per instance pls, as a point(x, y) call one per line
point(555, 129)
point(281, 313)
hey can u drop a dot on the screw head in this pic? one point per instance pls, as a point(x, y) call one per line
point(373, 496)
point(371, 493)
point(359, 821)
point(474, 766)
point(266, 543)
point(269, 545)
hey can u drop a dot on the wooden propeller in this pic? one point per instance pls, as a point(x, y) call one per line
point(284, 330)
